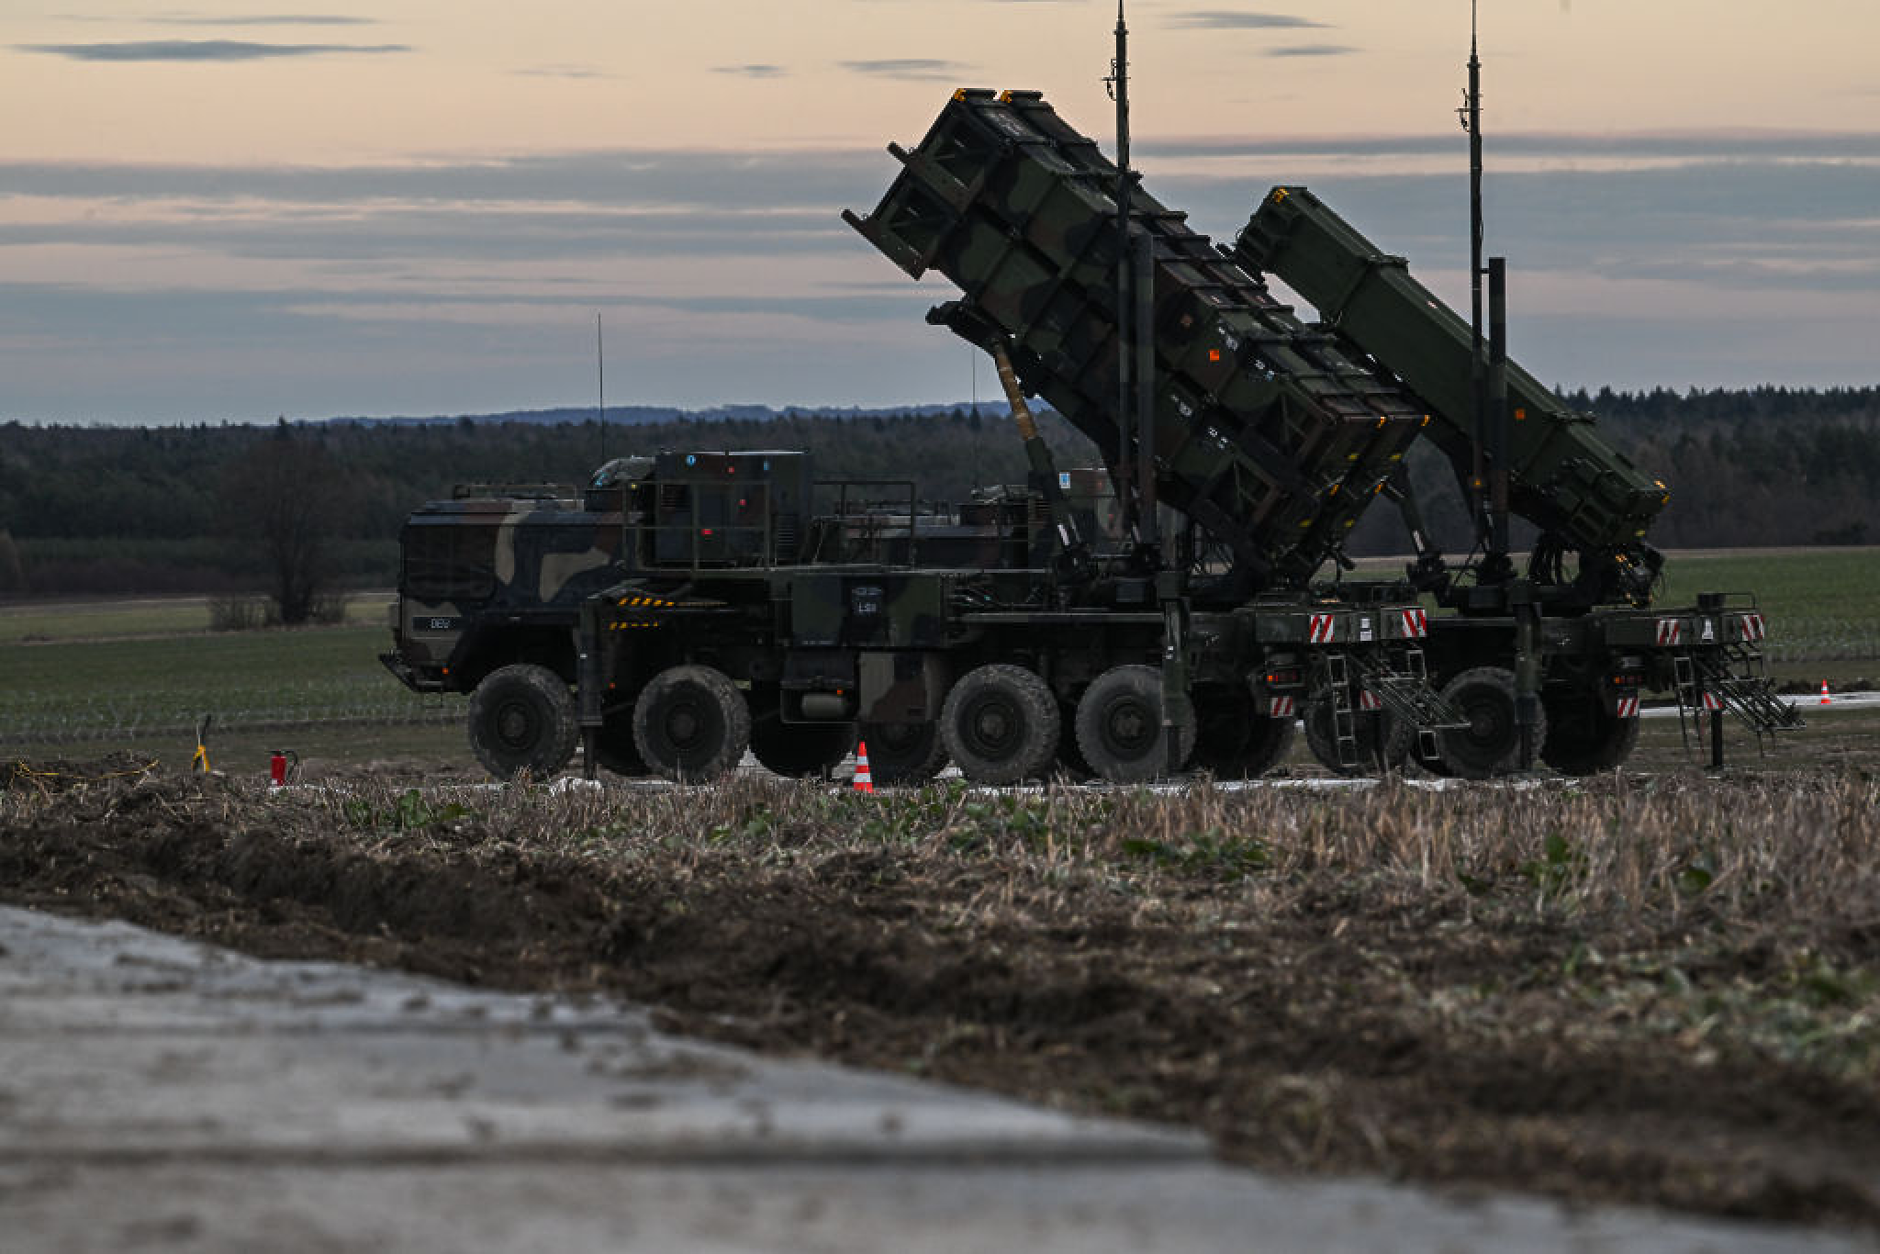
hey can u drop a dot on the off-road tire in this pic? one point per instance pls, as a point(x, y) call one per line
point(1491, 744)
point(1000, 724)
point(794, 750)
point(523, 718)
point(1582, 738)
point(1119, 727)
point(691, 724)
point(1233, 742)
point(902, 753)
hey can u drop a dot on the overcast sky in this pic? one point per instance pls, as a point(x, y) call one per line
point(227, 212)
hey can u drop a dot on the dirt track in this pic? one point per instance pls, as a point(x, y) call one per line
point(1296, 994)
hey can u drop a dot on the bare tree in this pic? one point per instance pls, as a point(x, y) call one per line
point(286, 495)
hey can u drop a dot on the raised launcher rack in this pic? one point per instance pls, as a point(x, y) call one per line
point(1563, 476)
point(1269, 435)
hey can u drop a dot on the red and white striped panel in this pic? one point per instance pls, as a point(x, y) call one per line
point(1324, 628)
point(1283, 707)
point(1753, 627)
point(1368, 700)
point(1625, 707)
point(1711, 700)
point(1669, 629)
point(1416, 624)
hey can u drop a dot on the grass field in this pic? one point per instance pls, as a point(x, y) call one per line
point(136, 674)
point(82, 620)
point(1823, 604)
point(71, 619)
point(129, 683)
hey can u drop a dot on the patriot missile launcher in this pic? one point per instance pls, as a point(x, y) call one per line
point(1271, 436)
point(1164, 610)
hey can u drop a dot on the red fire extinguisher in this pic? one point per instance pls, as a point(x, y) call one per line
point(283, 765)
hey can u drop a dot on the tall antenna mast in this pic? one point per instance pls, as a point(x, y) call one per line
point(1471, 114)
point(600, 371)
point(1118, 86)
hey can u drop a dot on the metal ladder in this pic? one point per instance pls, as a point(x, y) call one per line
point(1335, 682)
point(1747, 692)
point(1406, 693)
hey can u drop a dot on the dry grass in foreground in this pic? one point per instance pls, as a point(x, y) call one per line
point(1662, 991)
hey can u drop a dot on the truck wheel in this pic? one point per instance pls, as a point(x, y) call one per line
point(522, 718)
point(1000, 724)
point(1380, 750)
point(1232, 742)
point(1582, 738)
point(794, 750)
point(1491, 744)
point(691, 724)
point(614, 748)
point(1119, 727)
point(902, 753)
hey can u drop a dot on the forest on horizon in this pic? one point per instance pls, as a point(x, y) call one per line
point(87, 510)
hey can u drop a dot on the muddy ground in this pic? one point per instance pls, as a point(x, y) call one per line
point(1606, 992)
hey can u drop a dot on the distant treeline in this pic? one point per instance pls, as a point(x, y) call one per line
point(1763, 466)
point(153, 509)
point(95, 509)
point(1756, 467)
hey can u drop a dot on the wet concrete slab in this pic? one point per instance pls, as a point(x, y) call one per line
point(157, 1093)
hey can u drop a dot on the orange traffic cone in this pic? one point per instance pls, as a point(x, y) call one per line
point(864, 782)
point(1824, 693)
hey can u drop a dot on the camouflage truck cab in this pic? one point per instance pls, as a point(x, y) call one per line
point(487, 580)
point(496, 584)
point(497, 575)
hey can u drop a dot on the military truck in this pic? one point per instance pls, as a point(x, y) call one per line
point(686, 606)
